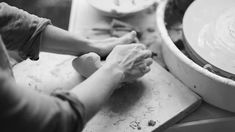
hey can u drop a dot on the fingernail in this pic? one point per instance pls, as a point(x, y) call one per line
point(134, 32)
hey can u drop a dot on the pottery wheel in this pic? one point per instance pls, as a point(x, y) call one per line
point(209, 30)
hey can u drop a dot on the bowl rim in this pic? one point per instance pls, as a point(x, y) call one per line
point(115, 13)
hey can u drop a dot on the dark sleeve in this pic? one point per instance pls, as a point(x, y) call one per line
point(25, 110)
point(21, 31)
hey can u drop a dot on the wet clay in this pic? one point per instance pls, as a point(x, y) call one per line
point(211, 39)
point(214, 44)
point(87, 64)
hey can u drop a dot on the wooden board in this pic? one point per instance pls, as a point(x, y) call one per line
point(157, 96)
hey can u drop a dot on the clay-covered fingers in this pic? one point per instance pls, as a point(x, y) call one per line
point(148, 61)
point(133, 60)
point(144, 65)
point(140, 46)
point(145, 69)
point(128, 38)
point(144, 54)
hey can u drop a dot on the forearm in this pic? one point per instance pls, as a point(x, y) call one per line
point(94, 91)
point(59, 41)
point(30, 111)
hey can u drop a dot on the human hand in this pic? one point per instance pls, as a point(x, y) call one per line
point(104, 47)
point(133, 61)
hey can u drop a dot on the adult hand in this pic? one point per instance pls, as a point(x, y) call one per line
point(132, 60)
point(104, 47)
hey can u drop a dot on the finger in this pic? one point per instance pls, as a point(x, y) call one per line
point(128, 38)
point(148, 61)
point(133, 34)
point(144, 68)
point(147, 54)
point(136, 40)
point(135, 46)
point(143, 55)
point(147, 69)
point(140, 46)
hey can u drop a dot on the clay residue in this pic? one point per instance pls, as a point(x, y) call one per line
point(217, 40)
point(216, 35)
point(220, 34)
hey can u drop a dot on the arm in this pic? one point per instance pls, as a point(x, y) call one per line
point(124, 64)
point(60, 41)
point(27, 34)
point(29, 111)
point(95, 91)
point(57, 40)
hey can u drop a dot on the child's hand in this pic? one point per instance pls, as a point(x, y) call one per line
point(133, 60)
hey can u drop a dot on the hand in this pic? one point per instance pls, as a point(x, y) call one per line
point(133, 61)
point(105, 46)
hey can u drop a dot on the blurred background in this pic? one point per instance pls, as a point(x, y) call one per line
point(58, 11)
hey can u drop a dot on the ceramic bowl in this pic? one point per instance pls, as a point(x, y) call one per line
point(120, 8)
point(214, 89)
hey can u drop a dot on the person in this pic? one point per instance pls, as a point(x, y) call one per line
point(26, 110)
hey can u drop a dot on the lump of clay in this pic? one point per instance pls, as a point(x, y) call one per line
point(87, 64)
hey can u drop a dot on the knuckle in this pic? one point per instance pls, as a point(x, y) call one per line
point(117, 47)
point(142, 46)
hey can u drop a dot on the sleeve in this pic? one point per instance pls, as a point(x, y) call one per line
point(21, 31)
point(29, 111)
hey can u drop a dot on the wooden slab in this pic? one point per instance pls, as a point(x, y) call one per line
point(49, 73)
point(158, 96)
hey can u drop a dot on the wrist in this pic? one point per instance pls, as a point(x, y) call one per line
point(92, 47)
point(112, 69)
point(84, 46)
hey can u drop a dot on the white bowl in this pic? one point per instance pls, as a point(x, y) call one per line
point(214, 89)
point(121, 8)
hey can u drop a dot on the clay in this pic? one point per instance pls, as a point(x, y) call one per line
point(211, 39)
point(151, 123)
point(151, 29)
point(135, 125)
point(87, 64)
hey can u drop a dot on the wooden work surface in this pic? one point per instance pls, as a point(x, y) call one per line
point(158, 96)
